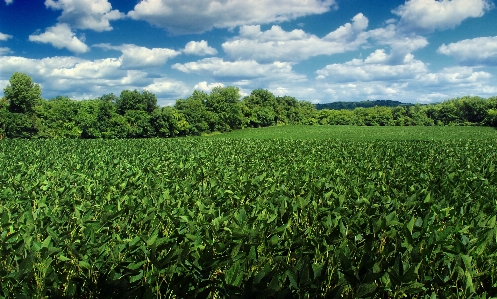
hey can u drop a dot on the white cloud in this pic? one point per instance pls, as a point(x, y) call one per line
point(167, 88)
point(86, 14)
point(373, 68)
point(203, 86)
point(431, 15)
point(4, 37)
point(276, 44)
point(9, 2)
point(476, 51)
point(136, 57)
point(4, 50)
point(200, 48)
point(453, 75)
point(349, 30)
point(60, 36)
point(102, 68)
point(82, 78)
point(375, 77)
point(400, 44)
point(197, 16)
point(240, 70)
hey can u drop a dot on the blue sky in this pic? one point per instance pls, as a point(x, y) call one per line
point(417, 51)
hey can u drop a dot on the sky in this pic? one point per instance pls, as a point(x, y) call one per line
point(416, 51)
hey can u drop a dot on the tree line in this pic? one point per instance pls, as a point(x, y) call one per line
point(134, 114)
point(365, 104)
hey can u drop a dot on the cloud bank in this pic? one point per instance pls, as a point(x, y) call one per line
point(197, 16)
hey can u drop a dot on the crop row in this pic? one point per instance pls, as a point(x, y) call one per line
point(212, 218)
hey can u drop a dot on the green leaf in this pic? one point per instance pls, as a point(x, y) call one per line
point(291, 277)
point(152, 239)
point(46, 243)
point(134, 241)
point(137, 277)
point(63, 258)
point(343, 229)
point(365, 290)
point(427, 198)
point(469, 282)
point(84, 264)
point(317, 270)
point(410, 225)
point(134, 266)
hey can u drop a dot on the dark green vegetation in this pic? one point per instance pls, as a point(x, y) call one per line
point(248, 218)
point(362, 104)
point(364, 133)
point(134, 114)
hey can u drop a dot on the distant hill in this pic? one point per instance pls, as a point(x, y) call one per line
point(364, 104)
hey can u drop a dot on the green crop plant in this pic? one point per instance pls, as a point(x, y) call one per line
point(248, 218)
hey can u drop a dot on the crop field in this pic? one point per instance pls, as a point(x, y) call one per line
point(364, 133)
point(249, 218)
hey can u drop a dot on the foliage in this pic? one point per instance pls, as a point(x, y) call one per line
point(340, 105)
point(135, 114)
point(168, 122)
point(57, 118)
point(134, 100)
point(232, 218)
point(362, 133)
point(195, 112)
point(22, 94)
point(19, 125)
point(224, 102)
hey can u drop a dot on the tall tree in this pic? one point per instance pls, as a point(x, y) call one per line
point(129, 100)
point(22, 94)
point(225, 103)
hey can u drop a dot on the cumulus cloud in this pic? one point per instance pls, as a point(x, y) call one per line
point(453, 75)
point(375, 77)
point(203, 86)
point(4, 37)
point(86, 14)
point(60, 36)
point(373, 68)
point(9, 2)
point(240, 70)
point(167, 88)
point(400, 43)
point(365, 90)
point(277, 44)
point(476, 51)
point(4, 50)
point(83, 78)
point(200, 48)
point(431, 15)
point(136, 57)
point(197, 16)
point(349, 30)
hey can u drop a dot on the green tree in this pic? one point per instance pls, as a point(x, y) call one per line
point(150, 101)
point(168, 122)
point(491, 118)
point(225, 103)
point(261, 108)
point(134, 100)
point(22, 94)
point(129, 100)
point(195, 112)
point(87, 118)
point(19, 125)
point(307, 112)
point(57, 118)
point(139, 124)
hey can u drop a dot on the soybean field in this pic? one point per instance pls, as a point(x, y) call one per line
point(248, 218)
